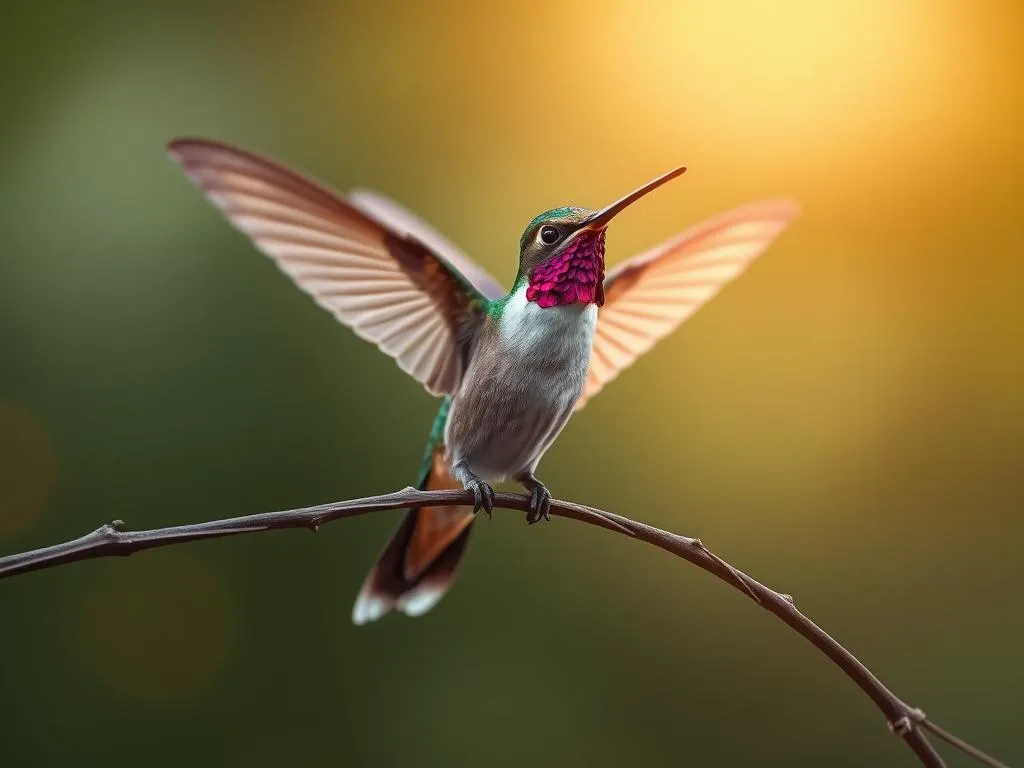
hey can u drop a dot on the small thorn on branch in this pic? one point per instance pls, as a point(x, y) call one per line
point(904, 725)
point(736, 575)
point(111, 529)
point(900, 727)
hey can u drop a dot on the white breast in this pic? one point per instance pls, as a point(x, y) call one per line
point(561, 332)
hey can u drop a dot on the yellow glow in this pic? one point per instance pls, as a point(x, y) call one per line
point(793, 84)
point(787, 67)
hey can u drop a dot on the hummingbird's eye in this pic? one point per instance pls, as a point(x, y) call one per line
point(549, 235)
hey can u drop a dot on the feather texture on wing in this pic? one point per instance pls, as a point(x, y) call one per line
point(382, 282)
point(403, 221)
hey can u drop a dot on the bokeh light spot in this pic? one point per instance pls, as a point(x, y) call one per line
point(27, 468)
point(160, 629)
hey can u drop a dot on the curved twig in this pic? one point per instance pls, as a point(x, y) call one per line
point(113, 540)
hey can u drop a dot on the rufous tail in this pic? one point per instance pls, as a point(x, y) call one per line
point(419, 563)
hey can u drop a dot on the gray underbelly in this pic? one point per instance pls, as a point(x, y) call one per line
point(510, 437)
point(501, 425)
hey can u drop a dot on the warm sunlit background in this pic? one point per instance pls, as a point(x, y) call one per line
point(846, 422)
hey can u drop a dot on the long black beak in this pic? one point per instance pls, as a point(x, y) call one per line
point(600, 219)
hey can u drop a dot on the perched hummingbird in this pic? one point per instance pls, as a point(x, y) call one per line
point(511, 367)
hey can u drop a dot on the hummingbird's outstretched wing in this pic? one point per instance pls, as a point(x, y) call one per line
point(647, 297)
point(402, 220)
point(382, 282)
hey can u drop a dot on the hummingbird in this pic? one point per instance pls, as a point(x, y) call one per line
point(510, 366)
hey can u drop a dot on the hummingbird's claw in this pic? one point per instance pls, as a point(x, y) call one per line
point(483, 496)
point(540, 502)
point(540, 498)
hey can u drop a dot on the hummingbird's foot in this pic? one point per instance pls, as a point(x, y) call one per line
point(483, 495)
point(540, 499)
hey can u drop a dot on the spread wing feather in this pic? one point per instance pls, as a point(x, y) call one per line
point(383, 281)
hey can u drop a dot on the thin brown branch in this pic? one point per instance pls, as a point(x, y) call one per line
point(113, 540)
point(959, 743)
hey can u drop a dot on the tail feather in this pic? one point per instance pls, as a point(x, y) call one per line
point(436, 581)
point(387, 587)
point(419, 563)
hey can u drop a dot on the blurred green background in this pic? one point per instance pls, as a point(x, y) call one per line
point(845, 423)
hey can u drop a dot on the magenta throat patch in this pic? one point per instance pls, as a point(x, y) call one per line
point(575, 275)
